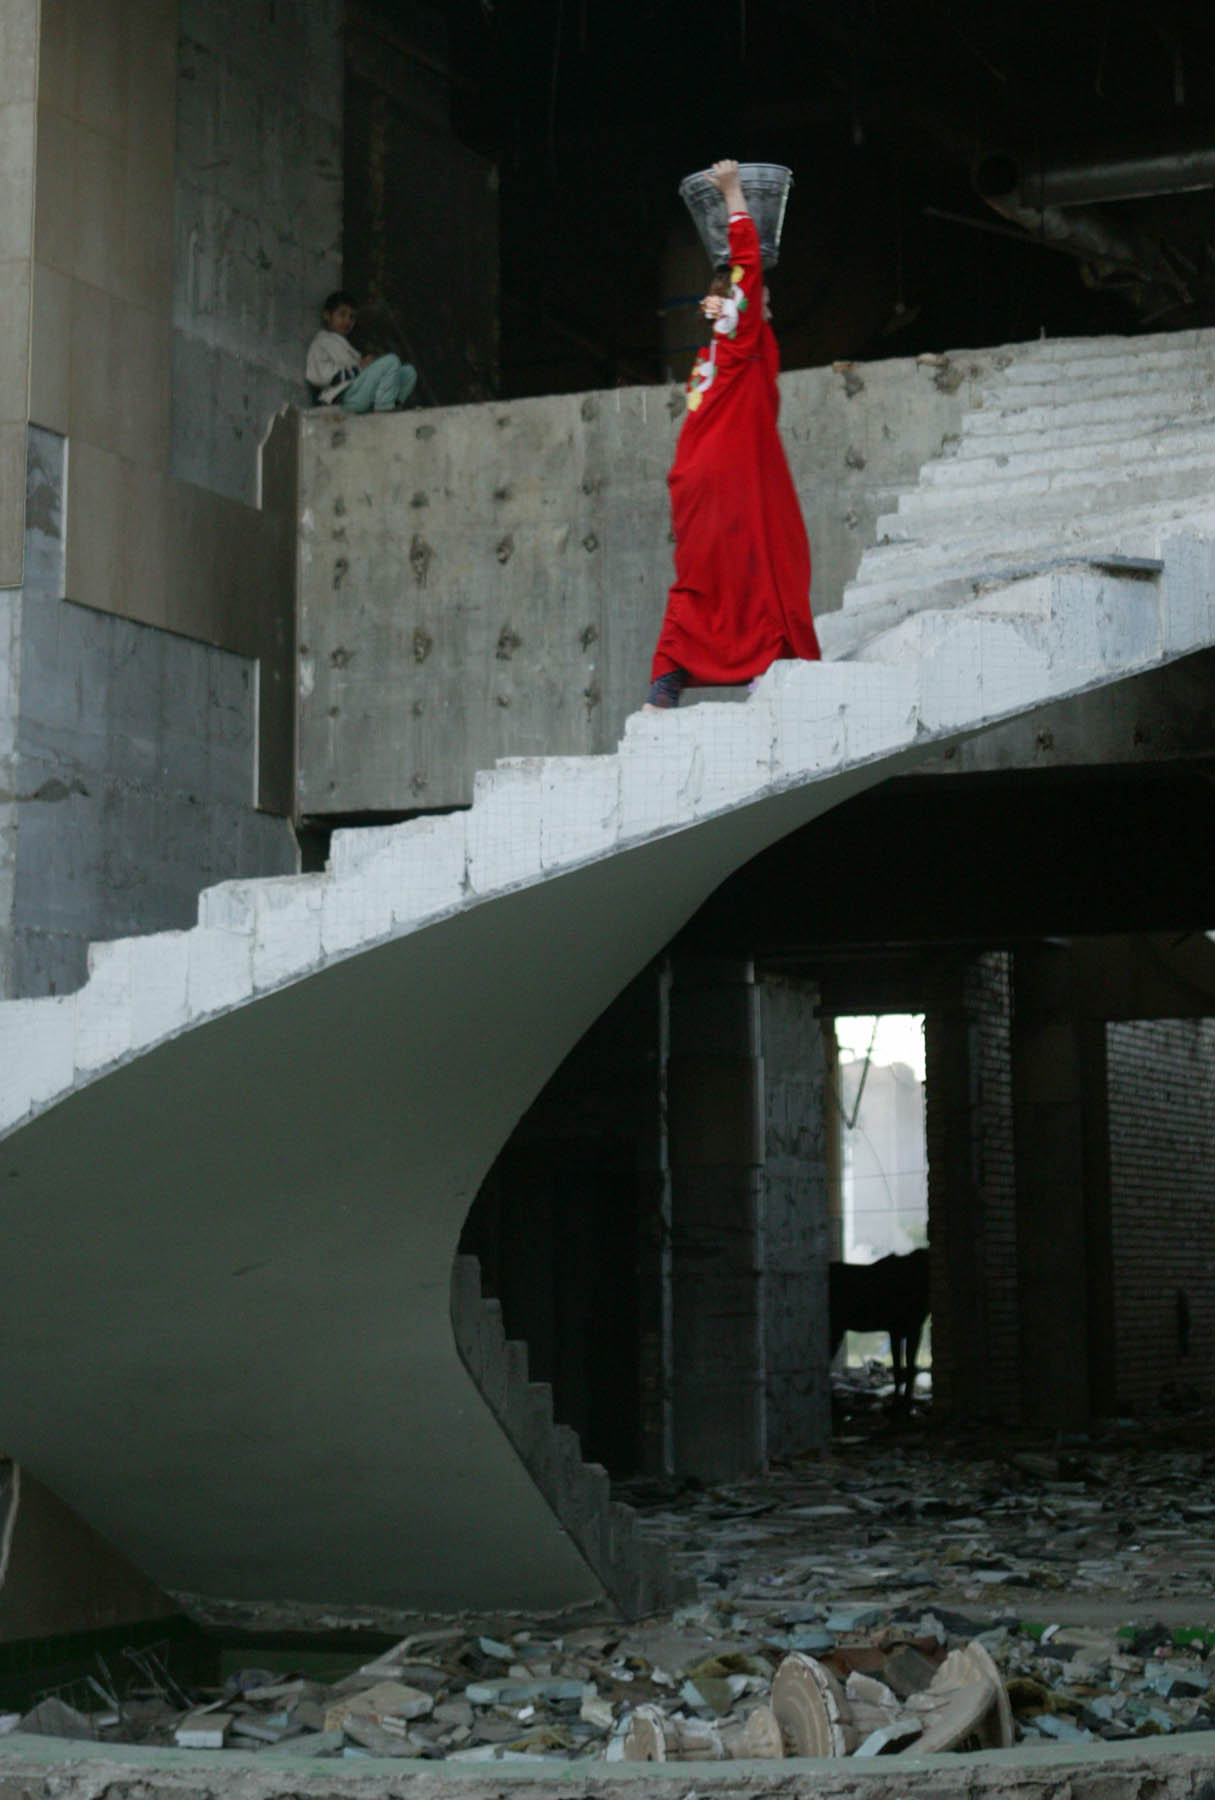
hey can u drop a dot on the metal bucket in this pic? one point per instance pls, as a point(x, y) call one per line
point(765, 188)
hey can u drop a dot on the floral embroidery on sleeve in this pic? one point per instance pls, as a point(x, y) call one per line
point(704, 371)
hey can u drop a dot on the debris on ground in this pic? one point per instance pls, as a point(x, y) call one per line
point(898, 1593)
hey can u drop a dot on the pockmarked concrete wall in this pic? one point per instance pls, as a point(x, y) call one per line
point(487, 581)
point(18, 91)
point(257, 223)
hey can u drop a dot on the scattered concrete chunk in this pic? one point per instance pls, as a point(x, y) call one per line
point(52, 1717)
point(203, 1731)
point(388, 1699)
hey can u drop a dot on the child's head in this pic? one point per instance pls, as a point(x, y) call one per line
point(339, 312)
point(722, 285)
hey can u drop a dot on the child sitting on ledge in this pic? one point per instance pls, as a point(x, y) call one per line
point(339, 375)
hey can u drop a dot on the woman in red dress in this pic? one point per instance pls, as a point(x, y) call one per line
point(741, 595)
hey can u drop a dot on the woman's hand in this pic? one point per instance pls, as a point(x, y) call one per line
point(724, 176)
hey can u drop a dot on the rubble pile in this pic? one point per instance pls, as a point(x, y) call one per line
point(893, 1596)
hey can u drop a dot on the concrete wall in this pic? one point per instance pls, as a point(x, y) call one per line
point(18, 90)
point(489, 581)
point(130, 760)
point(134, 785)
point(420, 223)
point(1161, 1085)
point(257, 204)
point(140, 542)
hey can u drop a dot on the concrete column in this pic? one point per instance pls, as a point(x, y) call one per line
point(960, 1351)
point(715, 1151)
point(833, 1144)
point(1049, 1062)
point(795, 1227)
point(655, 1440)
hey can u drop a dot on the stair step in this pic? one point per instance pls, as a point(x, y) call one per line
point(1061, 387)
point(1160, 349)
point(1003, 650)
point(978, 563)
point(578, 1491)
point(1177, 437)
point(1062, 490)
point(1128, 531)
point(997, 417)
point(843, 634)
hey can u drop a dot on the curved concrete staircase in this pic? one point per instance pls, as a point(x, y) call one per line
point(1082, 450)
point(634, 1571)
point(237, 1162)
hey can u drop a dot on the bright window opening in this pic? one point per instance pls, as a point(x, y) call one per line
point(883, 1164)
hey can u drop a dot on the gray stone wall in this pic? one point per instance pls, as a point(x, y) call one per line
point(134, 786)
point(257, 223)
point(488, 581)
point(128, 760)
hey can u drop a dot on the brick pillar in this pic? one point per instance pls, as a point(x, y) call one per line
point(955, 1213)
point(798, 1399)
point(971, 1192)
point(1052, 1052)
point(715, 1153)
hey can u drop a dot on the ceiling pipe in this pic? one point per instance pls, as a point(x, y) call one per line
point(999, 179)
point(1000, 175)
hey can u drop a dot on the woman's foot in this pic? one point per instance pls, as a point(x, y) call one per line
point(665, 691)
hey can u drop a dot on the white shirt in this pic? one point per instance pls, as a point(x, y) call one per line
point(333, 363)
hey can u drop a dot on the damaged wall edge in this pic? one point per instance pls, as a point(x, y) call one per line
point(634, 1572)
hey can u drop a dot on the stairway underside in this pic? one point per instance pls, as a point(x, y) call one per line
point(227, 1337)
point(237, 1164)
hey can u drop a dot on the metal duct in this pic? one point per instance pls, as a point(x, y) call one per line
point(1028, 200)
point(1084, 233)
point(1000, 175)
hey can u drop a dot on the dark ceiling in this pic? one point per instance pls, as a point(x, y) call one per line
point(978, 861)
point(593, 112)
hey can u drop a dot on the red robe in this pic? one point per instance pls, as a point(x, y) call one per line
point(741, 595)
